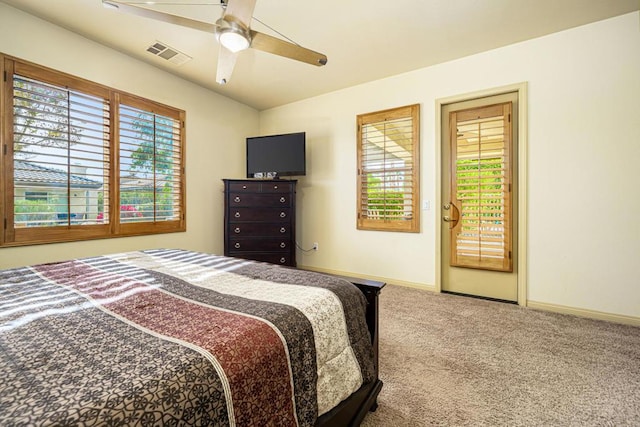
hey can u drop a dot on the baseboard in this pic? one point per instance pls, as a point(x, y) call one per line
point(591, 314)
point(387, 280)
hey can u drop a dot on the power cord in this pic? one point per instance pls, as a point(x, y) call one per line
point(313, 249)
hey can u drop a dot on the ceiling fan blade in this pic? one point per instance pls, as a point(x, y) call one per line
point(226, 62)
point(284, 48)
point(161, 16)
point(241, 11)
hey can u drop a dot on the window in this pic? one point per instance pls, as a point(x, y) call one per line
point(74, 152)
point(150, 164)
point(481, 187)
point(388, 170)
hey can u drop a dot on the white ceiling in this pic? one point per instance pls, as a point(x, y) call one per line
point(364, 40)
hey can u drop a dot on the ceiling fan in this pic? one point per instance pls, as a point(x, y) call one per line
point(233, 31)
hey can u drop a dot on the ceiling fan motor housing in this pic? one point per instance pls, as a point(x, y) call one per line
point(232, 34)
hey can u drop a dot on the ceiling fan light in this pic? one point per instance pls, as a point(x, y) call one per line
point(233, 40)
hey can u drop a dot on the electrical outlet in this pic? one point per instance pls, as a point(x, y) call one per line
point(315, 246)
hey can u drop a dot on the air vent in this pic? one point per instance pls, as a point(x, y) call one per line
point(170, 54)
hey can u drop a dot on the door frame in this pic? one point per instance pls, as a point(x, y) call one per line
point(521, 89)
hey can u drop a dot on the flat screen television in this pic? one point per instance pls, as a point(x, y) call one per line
point(274, 156)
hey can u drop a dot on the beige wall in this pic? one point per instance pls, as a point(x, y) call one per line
point(216, 128)
point(584, 148)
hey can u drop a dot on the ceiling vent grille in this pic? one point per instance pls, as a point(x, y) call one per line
point(170, 54)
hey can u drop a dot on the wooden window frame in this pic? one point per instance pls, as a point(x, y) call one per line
point(22, 236)
point(409, 224)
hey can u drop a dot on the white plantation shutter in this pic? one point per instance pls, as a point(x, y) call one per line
point(388, 172)
point(481, 183)
point(61, 153)
point(150, 166)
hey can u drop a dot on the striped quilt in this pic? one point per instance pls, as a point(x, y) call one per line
point(173, 337)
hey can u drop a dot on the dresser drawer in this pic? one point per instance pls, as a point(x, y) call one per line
point(246, 186)
point(273, 258)
point(276, 187)
point(261, 187)
point(251, 229)
point(259, 214)
point(259, 245)
point(260, 199)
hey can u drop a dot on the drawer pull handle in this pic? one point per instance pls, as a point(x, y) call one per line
point(237, 230)
point(282, 260)
point(237, 215)
point(283, 230)
point(237, 199)
point(282, 245)
point(275, 187)
point(237, 245)
point(244, 187)
point(282, 214)
point(282, 200)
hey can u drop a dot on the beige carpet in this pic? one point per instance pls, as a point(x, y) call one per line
point(451, 361)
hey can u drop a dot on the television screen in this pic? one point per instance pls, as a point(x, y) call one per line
point(276, 155)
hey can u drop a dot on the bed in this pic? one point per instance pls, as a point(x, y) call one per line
point(175, 337)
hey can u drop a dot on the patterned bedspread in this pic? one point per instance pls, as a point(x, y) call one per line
point(172, 337)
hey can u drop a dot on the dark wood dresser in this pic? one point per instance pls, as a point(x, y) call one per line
point(260, 220)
